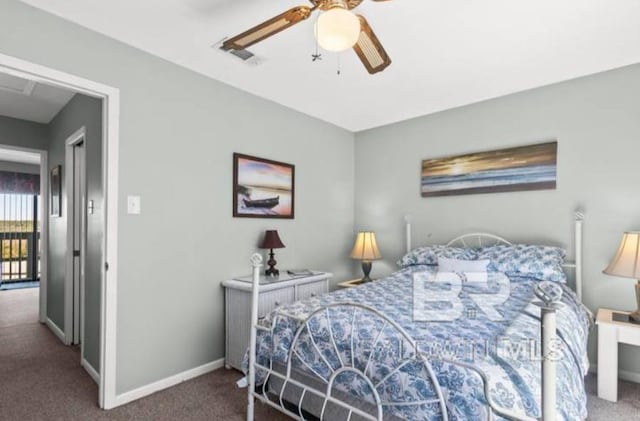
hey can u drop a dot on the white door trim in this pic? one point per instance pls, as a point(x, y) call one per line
point(110, 133)
point(69, 288)
point(44, 226)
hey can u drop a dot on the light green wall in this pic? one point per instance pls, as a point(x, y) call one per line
point(19, 167)
point(81, 111)
point(595, 120)
point(15, 132)
point(178, 133)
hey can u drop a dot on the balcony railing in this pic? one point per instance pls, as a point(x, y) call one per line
point(20, 258)
point(19, 238)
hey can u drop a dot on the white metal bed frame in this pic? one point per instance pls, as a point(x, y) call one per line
point(548, 303)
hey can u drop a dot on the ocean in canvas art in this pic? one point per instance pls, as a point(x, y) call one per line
point(263, 188)
point(531, 167)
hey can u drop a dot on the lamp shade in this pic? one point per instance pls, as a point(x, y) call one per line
point(626, 261)
point(337, 29)
point(271, 240)
point(365, 247)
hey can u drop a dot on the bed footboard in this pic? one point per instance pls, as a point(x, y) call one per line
point(334, 359)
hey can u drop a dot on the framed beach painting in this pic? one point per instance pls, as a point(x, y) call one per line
point(531, 167)
point(262, 188)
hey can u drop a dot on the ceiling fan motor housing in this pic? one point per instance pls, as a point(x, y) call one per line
point(343, 4)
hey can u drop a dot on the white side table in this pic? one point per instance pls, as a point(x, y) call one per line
point(273, 292)
point(611, 333)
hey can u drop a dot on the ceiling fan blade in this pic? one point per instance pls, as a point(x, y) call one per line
point(370, 50)
point(268, 28)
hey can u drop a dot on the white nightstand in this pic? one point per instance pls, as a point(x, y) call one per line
point(611, 333)
point(274, 292)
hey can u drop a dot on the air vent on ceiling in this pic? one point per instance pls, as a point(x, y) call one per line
point(244, 56)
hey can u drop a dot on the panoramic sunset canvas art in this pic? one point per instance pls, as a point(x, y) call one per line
point(262, 188)
point(530, 167)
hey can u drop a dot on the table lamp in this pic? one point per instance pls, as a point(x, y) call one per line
point(271, 241)
point(626, 264)
point(366, 249)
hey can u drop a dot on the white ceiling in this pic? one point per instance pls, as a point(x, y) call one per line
point(27, 100)
point(445, 53)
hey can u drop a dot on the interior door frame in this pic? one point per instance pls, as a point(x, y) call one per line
point(110, 134)
point(78, 137)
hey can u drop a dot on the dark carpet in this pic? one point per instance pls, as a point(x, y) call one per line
point(41, 379)
point(19, 307)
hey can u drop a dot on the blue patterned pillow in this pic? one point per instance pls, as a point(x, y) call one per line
point(429, 255)
point(539, 262)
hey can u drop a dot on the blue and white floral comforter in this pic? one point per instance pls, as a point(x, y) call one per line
point(506, 351)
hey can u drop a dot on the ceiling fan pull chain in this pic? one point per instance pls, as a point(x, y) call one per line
point(317, 56)
point(339, 70)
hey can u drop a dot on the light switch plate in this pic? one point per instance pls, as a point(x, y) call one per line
point(133, 205)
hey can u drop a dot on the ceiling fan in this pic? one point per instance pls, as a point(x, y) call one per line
point(337, 29)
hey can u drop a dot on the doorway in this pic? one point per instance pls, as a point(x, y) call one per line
point(19, 223)
point(107, 277)
point(75, 157)
point(23, 233)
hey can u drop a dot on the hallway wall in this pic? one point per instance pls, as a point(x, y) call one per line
point(19, 167)
point(81, 111)
point(16, 132)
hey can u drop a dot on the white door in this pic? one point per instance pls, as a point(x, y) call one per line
point(79, 235)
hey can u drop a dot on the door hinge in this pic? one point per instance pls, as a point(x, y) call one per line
point(106, 266)
point(76, 253)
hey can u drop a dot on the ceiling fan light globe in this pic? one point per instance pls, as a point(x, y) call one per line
point(337, 29)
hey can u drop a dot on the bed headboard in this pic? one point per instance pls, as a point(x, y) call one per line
point(477, 239)
point(480, 239)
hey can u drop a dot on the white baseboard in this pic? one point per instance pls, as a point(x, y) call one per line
point(630, 376)
point(154, 387)
point(56, 330)
point(90, 370)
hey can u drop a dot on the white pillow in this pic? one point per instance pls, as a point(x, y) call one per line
point(456, 278)
point(457, 265)
point(476, 277)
